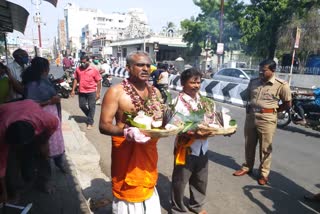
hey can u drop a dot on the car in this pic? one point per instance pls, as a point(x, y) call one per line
point(236, 75)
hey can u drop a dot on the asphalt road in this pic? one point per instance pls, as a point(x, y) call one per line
point(295, 171)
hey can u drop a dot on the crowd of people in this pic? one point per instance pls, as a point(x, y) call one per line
point(30, 111)
point(31, 135)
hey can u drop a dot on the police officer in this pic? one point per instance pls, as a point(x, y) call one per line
point(264, 94)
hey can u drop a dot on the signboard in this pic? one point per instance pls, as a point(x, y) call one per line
point(220, 48)
point(156, 46)
point(297, 40)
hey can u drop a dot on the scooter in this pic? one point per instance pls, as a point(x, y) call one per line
point(62, 87)
point(291, 115)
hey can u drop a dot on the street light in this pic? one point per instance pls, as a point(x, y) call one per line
point(144, 35)
point(37, 19)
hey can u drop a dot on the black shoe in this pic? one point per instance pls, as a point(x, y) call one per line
point(312, 198)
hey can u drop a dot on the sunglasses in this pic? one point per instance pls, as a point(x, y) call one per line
point(140, 65)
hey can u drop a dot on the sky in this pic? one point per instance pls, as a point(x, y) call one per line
point(158, 12)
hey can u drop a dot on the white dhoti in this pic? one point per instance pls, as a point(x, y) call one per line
point(149, 206)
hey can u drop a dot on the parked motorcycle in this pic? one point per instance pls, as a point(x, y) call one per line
point(106, 80)
point(291, 115)
point(62, 87)
point(69, 76)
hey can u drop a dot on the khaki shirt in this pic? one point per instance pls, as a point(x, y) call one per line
point(268, 94)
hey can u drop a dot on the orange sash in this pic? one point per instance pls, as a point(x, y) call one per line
point(133, 169)
point(183, 143)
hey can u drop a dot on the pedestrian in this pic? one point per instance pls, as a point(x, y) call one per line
point(264, 94)
point(156, 73)
point(193, 169)
point(134, 178)
point(38, 87)
point(16, 68)
point(58, 61)
point(172, 69)
point(97, 64)
point(24, 130)
point(309, 105)
point(66, 63)
point(163, 81)
point(89, 80)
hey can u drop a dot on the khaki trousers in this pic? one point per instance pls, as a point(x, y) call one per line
point(259, 128)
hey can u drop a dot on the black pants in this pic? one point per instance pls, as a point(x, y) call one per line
point(194, 172)
point(87, 103)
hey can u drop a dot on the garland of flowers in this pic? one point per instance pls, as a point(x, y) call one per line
point(151, 106)
point(188, 105)
point(204, 103)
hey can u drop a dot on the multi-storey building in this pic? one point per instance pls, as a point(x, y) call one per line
point(62, 43)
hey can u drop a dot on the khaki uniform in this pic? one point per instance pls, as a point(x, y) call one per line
point(261, 120)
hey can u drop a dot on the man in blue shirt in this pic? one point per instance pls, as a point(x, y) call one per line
point(310, 105)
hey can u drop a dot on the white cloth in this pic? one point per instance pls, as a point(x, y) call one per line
point(16, 71)
point(181, 108)
point(106, 67)
point(164, 78)
point(134, 134)
point(149, 206)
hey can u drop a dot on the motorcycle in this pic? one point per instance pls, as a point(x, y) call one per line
point(106, 80)
point(164, 92)
point(69, 76)
point(291, 115)
point(62, 87)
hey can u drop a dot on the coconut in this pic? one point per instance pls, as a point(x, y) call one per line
point(142, 118)
point(156, 123)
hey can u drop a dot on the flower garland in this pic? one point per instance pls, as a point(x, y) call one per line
point(203, 103)
point(152, 106)
point(187, 104)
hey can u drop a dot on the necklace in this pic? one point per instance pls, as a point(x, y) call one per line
point(149, 105)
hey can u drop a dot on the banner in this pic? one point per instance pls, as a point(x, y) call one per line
point(220, 48)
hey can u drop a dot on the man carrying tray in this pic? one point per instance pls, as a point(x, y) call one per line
point(134, 155)
point(191, 160)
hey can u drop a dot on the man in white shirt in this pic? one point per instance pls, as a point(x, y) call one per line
point(16, 67)
point(191, 161)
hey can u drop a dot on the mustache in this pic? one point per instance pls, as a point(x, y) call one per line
point(144, 72)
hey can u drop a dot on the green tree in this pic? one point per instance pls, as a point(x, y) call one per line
point(207, 24)
point(262, 20)
point(309, 38)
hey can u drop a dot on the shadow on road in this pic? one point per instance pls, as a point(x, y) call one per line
point(99, 194)
point(78, 119)
point(285, 194)
point(283, 197)
point(223, 160)
point(306, 132)
point(164, 190)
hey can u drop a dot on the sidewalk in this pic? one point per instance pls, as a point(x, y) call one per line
point(83, 183)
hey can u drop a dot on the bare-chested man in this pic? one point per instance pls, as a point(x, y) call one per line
point(134, 156)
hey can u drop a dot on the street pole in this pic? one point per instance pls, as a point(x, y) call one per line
point(39, 35)
point(220, 28)
point(37, 20)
